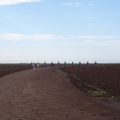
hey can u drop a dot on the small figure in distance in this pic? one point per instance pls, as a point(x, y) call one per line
point(33, 65)
point(58, 63)
point(95, 63)
point(38, 65)
point(52, 64)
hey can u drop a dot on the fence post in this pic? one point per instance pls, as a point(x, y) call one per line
point(95, 63)
point(58, 63)
point(79, 63)
point(52, 64)
point(72, 63)
point(64, 64)
point(45, 64)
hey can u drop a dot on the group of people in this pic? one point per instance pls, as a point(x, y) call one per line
point(35, 65)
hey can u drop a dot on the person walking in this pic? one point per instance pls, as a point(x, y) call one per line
point(33, 65)
point(38, 65)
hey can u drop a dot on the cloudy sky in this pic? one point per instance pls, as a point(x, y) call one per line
point(59, 30)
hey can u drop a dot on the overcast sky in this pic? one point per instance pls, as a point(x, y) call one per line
point(59, 30)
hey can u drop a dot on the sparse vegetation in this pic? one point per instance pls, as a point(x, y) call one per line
point(98, 80)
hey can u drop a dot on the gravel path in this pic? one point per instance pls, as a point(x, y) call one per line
point(46, 94)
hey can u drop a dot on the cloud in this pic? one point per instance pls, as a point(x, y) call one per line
point(83, 39)
point(91, 4)
point(21, 37)
point(72, 4)
point(14, 2)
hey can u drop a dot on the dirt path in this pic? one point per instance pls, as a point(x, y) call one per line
point(46, 94)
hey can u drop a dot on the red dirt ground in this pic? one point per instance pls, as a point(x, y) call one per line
point(105, 76)
point(46, 94)
point(6, 69)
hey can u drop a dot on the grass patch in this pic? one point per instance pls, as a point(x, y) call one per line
point(92, 90)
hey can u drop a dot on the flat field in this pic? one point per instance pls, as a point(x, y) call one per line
point(47, 94)
point(11, 68)
point(105, 77)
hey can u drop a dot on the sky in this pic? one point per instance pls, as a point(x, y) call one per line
point(59, 30)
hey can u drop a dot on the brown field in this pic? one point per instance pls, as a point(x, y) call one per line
point(103, 76)
point(11, 68)
point(47, 94)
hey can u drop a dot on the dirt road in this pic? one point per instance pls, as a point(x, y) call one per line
point(46, 94)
